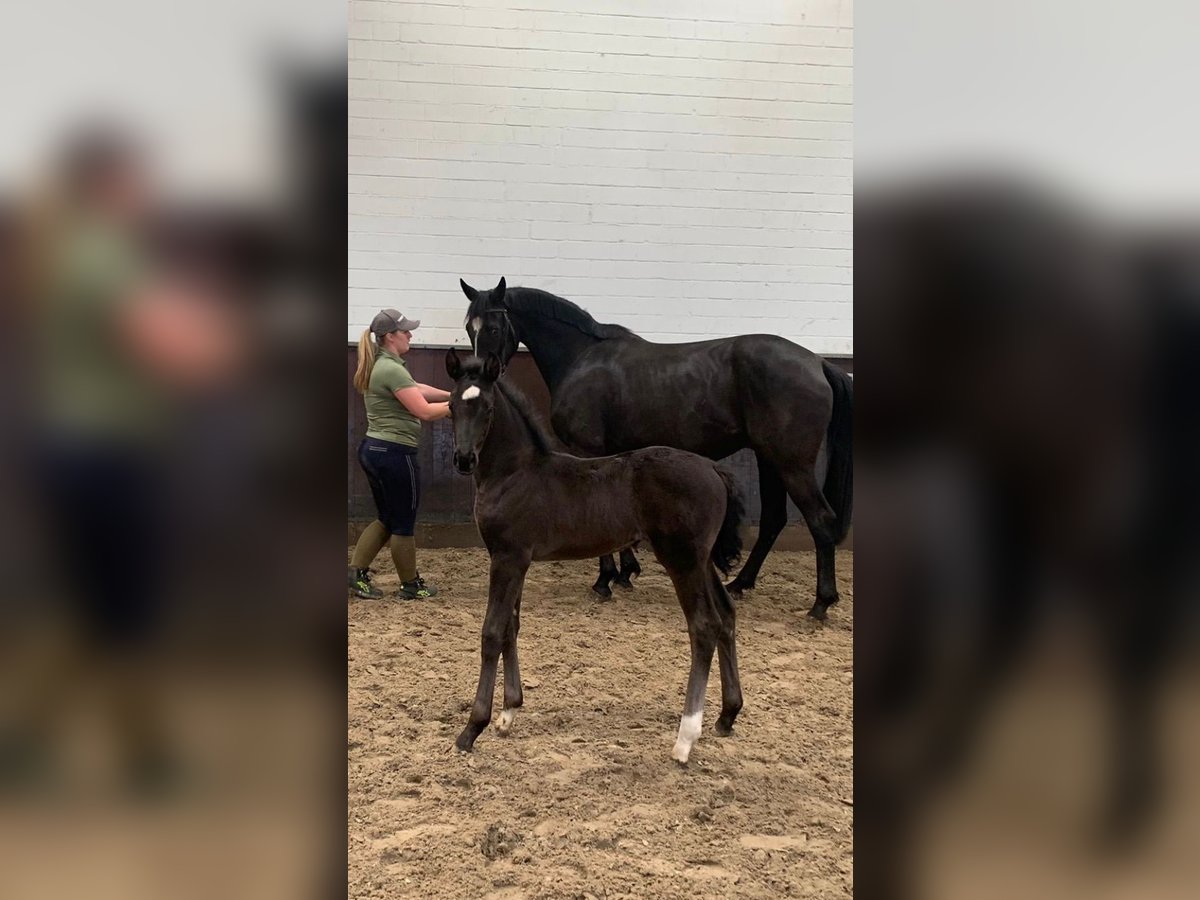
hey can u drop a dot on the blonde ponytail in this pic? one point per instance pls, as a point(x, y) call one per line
point(366, 360)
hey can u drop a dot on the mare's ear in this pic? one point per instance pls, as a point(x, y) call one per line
point(491, 367)
point(471, 293)
point(498, 293)
point(453, 366)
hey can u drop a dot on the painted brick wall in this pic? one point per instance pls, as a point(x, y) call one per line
point(681, 168)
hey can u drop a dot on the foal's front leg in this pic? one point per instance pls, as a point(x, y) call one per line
point(514, 695)
point(507, 577)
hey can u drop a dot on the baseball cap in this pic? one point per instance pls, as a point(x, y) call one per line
point(388, 320)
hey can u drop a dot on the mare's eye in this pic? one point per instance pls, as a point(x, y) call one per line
point(493, 330)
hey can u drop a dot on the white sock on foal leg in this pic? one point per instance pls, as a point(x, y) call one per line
point(504, 723)
point(689, 733)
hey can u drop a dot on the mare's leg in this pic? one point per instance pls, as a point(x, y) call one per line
point(822, 523)
point(771, 520)
point(629, 569)
point(608, 571)
point(731, 683)
point(703, 630)
point(514, 696)
point(507, 576)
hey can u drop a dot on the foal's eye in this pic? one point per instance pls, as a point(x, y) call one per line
point(493, 330)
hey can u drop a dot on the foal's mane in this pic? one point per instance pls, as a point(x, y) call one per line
point(542, 439)
point(542, 303)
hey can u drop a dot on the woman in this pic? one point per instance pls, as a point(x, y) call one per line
point(396, 407)
point(118, 341)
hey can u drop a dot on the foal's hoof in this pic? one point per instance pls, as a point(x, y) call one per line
point(819, 612)
point(505, 722)
point(466, 741)
point(602, 592)
point(624, 583)
point(723, 728)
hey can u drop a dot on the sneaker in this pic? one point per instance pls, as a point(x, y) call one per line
point(417, 589)
point(360, 585)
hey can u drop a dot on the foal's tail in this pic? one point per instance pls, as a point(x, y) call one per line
point(839, 478)
point(728, 546)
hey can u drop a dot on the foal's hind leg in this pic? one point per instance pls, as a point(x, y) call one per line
point(629, 569)
point(507, 576)
point(608, 571)
point(822, 522)
point(703, 631)
point(731, 683)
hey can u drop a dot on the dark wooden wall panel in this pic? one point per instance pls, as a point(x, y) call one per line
point(446, 496)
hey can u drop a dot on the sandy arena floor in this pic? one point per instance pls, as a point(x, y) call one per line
point(582, 800)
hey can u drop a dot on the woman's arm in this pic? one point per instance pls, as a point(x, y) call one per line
point(432, 394)
point(184, 336)
point(416, 404)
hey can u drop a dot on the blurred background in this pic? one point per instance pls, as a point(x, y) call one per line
point(172, 263)
point(1028, 308)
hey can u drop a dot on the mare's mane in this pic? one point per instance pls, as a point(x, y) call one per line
point(542, 303)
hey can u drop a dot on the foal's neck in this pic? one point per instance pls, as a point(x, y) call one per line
point(508, 447)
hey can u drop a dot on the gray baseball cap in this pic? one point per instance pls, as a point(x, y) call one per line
point(388, 320)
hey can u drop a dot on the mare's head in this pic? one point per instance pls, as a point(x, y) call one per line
point(487, 323)
point(472, 405)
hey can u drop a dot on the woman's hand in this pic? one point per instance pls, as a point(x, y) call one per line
point(413, 400)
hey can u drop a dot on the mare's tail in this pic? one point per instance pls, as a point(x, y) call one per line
point(839, 478)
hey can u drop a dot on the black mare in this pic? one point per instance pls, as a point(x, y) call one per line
point(612, 391)
point(535, 503)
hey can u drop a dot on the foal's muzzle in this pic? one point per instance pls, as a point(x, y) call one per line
point(465, 462)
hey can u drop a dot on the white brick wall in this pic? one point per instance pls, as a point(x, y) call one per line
point(680, 168)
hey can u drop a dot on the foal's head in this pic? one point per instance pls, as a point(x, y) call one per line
point(472, 405)
point(487, 322)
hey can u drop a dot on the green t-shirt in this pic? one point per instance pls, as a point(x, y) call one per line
point(92, 386)
point(387, 419)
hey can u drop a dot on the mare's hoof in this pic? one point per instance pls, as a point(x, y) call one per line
point(723, 729)
point(602, 593)
point(819, 613)
point(624, 584)
point(736, 588)
point(465, 742)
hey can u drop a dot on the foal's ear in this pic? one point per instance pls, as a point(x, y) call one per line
point(453, 366)
point(468, 290)
point(491, 367)
point(498, 293)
